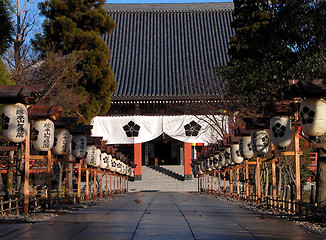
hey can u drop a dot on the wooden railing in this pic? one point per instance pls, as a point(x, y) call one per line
point(9, 206)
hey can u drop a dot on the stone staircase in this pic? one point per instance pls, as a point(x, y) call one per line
point(163, 178)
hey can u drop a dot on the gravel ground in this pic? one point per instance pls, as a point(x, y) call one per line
point(43, 215)
point(319, 227)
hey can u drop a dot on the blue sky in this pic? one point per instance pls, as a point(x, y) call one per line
point(168, 1)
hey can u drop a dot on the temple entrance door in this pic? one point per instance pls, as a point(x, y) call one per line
point(162, 153)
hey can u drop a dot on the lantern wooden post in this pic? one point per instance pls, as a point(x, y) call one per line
point(101, 186)
point(215, 183)
point(219, 182)
point(224, 183)
point(49, 175)
point(87, 185)
point(274, 193)
point(110, 191)
point(231, 182)
point(79, 181)
point(67, 178)
point(258, 180)
point(106, 184)
point(26, 177)
point(247, 179)
point(238, 183)
point(94, 185)
point(297, 159)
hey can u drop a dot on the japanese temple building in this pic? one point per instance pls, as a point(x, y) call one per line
point(163, 57)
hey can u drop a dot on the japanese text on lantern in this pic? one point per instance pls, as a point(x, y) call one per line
point(20, 117)
point(47, 135)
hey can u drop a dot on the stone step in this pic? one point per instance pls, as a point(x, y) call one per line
point(163, 178)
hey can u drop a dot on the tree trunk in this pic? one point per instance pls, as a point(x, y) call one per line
point(321, 178)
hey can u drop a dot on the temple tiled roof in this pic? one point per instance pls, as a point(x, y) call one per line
point(169, 50)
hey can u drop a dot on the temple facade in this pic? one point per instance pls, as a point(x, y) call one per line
point(164, 57)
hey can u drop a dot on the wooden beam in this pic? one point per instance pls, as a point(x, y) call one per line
point(8, 149)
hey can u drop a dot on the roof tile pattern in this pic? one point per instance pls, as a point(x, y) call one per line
point(166, 50)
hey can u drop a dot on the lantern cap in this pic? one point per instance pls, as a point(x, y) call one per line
point(280, 108)
point(308, 88)
point(21, 94)
point(258, 123)
point(242, 131)
point(44, 111)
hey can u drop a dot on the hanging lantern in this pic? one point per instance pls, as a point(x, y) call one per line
point(118, 167)
point(221, 159)
point(203, 166)
point(281, 132)
point(129, 171)
point(208, 165)
point(215, 161)
point(313, 116)
point(78, 146)
point(260, 142)
point(14, 122)
point(109, 162)
point(104, 160)
point(124, 169)
point(61, 141)
point(227, 156)
point(245, 147)
point(92, 154)
point(98, 158)
point(235, 154)
point(113, 165)
point(43, 134)
point(211, 162)
point(133, 172)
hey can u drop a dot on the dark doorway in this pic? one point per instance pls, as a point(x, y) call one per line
point(162, 151)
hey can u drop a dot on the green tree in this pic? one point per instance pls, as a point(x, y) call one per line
point(76, 25)
point(274, 41)
point(5, 26)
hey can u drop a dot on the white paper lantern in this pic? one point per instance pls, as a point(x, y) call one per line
point(92, 155)
point(118, 167)
point(109, 165)
point(133, 172)
point(215, 161)
point(124, 169)
point(221, 159)
point(245, 147)
point(14, 122)
point(104, 160)
point(203, 166)
point(313, 116)
point(208, 165)
point(61, 142)
point(78, 146)
point(260, 142)
point(43, 134)
point(235, 154)
point(200, 171)
point(113, 165)
point(281, 131)
point(129, 171)
point(227, 156)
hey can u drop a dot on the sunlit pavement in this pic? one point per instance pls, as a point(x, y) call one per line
point(160, 215)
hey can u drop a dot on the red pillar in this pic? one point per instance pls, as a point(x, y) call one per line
point(138, 160)
point(187, 155)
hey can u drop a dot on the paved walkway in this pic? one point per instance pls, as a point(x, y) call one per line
point(159, 215)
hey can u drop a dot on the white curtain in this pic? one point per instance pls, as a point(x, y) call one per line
point(140, 129)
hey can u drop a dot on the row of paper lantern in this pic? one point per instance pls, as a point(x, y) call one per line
point(313, 122)
point(95, 158)
point(45, 137)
